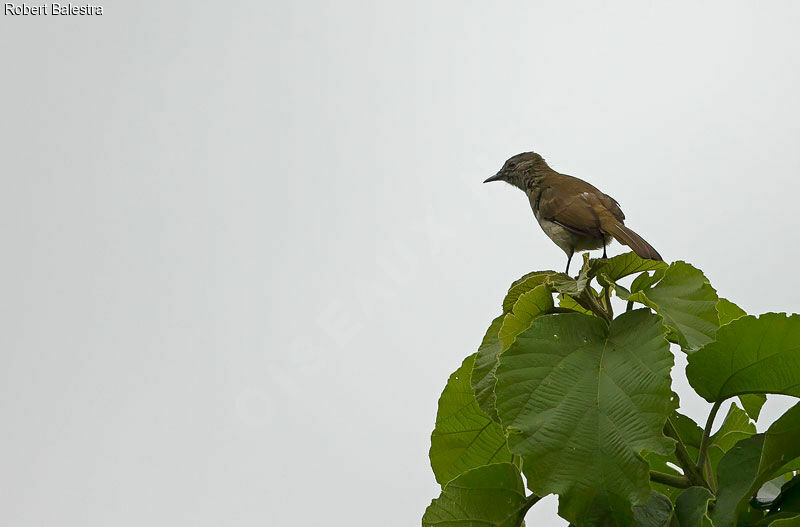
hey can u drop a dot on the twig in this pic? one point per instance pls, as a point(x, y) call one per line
point(679, 482)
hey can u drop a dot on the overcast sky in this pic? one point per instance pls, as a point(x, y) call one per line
point(245, 243)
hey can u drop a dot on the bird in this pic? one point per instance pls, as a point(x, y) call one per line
point(574, 214)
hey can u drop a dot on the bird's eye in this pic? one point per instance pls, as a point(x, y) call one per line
point(512, 166)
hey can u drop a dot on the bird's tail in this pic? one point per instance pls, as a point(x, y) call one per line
point(627, 237)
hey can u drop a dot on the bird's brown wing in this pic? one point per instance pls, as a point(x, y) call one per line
point(612, 206)
point(575, 211)
point(579, 206)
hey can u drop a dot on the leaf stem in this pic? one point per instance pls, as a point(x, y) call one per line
point(701, 457)
point(679, 482)
point(607, 298)
point(588, 300)
point(684, 459)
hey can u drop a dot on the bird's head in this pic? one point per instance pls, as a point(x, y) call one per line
point(520, 169)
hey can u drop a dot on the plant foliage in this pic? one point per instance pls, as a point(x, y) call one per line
point(579, 403)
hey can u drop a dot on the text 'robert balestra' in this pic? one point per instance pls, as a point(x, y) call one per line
point(52, 9)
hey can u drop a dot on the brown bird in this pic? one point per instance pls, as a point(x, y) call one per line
point(573, 213)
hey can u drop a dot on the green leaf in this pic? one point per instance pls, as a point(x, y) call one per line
point(691, 507)
point(530, 305)
point(752, 462)
point(492, 495)
point(687, 302)
point(464, 436)
point(737, 426)
point(568, 302)
point(610, 270)
point(752, 403)
point(737, 474)
point(483, 372)
point(581, 401)
point(565, 284)
point(655, 512)
point(647, 280)
point(750, 355)
point(690, 432)
point(523, 285)
point(781, 444)
point(728, 311)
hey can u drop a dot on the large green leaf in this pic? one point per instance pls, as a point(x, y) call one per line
point(750, 355)
point(752, 462)
point(464, 436)
point(687, 302)
point(483, 378)
point(737, 426)
point(691, 507)
point(581, 401)
point(492, 496)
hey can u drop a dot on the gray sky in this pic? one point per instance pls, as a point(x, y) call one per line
point(245, 243)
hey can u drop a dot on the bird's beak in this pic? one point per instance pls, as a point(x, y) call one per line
point(496, 177)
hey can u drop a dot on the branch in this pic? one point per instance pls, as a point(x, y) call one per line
point(679, 482)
